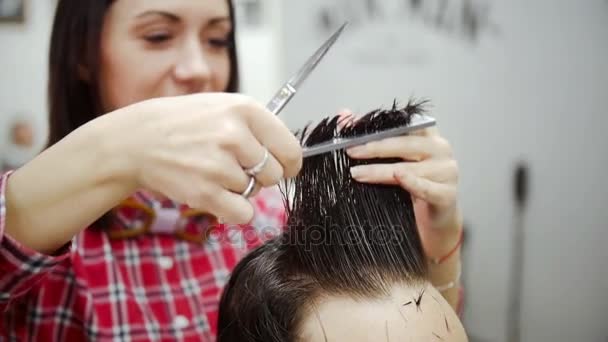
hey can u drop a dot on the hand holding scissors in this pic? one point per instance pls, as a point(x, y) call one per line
point(212, 151)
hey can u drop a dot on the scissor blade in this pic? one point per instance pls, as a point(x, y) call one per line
point(418, 122)
point(288, 90)
point(312, 62)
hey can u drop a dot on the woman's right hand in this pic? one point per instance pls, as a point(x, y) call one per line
point(194, 149)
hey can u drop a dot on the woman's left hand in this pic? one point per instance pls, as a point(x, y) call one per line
point(428, 172)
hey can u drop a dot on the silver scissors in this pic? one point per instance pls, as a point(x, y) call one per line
point(289, 89)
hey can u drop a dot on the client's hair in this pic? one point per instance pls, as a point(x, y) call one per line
point(342, 237)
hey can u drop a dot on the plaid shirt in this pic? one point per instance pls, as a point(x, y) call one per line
point(151, 288)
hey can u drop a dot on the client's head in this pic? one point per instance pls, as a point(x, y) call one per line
point(349, 266)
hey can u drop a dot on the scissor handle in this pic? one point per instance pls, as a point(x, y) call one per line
point(281, 98)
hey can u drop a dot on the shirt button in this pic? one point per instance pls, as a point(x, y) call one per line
point(180, 322)
point(165, 262)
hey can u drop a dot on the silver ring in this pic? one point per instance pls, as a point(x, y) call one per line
point(258, 168)
point(250, 188)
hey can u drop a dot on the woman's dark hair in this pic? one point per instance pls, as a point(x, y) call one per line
point(342, 237)
point(75, 41)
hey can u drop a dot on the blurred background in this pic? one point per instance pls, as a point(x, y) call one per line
point(520, 89)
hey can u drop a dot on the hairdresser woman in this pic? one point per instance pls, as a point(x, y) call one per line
point(101, 236)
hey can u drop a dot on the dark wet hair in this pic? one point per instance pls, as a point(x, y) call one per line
point(342, 238)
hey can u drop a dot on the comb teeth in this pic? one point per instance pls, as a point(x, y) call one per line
point(375, 125)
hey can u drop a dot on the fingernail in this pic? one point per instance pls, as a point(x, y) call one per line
point(356, 172)
point(344, 116)
point(358, 151)
point(345, 112)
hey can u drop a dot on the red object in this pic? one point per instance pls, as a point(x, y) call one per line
point(440, 260)
point(150, 288)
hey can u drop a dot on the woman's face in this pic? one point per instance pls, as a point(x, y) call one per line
point(157, 48)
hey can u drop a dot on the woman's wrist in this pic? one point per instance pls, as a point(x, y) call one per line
point(444, 231)
point(446, 218)
point(443, 252)
point(110, 139)
point(445, 277)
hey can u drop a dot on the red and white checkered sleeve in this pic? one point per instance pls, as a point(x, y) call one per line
point(20, 267)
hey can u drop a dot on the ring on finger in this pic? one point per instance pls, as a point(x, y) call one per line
point(250, 187)
point(252, 171)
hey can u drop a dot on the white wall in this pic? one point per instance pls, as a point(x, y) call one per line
point(259, 58)
point(23, 71)
point(537, 91)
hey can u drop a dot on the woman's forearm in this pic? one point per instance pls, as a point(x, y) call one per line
point(66, 188)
